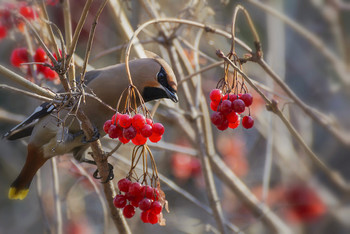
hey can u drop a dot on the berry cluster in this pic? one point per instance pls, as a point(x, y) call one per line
point(137, 129)
point(20, 55)
point(136, 195)
point(9, 22)
point(227, 109)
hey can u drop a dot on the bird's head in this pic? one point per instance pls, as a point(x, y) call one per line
point(154, 78)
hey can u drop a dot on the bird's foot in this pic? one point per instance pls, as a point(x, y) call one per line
point(96, 176)
point(94, 137)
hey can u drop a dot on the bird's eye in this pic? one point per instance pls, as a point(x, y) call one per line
point(162, 77)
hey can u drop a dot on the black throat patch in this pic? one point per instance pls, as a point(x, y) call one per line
point(153, 93)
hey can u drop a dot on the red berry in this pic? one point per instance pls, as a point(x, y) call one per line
point(114, 131)
point(40, 55)
point(146, 130)
point(28, 12)
point(139, 139)
point(135, 189)
point(152, 218)
point(226, 107)
point(155, 138)
point(138, 121)
point(123, 139)
point(156, 207)
point(247, 99)
point(223, 126)
point(234, 125)
point(247, 122)
point(149, 121)
point(214, 106)
point(49, 74)
point(18, 56)
point(124, 185)
point(144, 216)
point(233, 97)
point(3, 31)
point(129, 133)
point(115, 118)
point(217, 118)
point(158, 128)
point(215, 95)
point(232, 117)
point(128, 211)
point(124, 121)
point(106, 126)
point(119, 201)
point(147, 191)
point(135, 200)
point(238, 106)
point(145, 204)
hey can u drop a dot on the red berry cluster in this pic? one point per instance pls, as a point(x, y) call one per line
point(137, 129)
point(227, 109)
point(7, 19)
point(136, 195)
point(20, 55)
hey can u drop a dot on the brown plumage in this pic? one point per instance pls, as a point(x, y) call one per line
point(153, 77)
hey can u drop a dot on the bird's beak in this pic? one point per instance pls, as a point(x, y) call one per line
point(171, 95)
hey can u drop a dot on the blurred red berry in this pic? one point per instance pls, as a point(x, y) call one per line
point(19, 56)
point(234, 125)
point(27, 12)
point(3, 31)
point(52, 2)
point(149, 121)
point(223, 126)
point(40, 55)
point(226, 107)
point(49, 74)
point(305, 204)
point(128, 211)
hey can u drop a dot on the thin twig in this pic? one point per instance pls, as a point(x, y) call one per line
point(56, 191)
point(26, 83)
point(30, 94)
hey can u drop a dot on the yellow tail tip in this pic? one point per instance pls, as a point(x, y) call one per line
point(15, 193)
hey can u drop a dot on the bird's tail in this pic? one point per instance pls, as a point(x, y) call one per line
point(20, 187)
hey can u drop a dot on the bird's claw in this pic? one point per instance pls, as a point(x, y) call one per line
point(110, 174)
point(94, 137)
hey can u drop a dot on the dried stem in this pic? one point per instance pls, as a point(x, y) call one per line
point(26, 83)
point(57, 201)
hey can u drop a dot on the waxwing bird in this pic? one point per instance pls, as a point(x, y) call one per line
point(55, 132)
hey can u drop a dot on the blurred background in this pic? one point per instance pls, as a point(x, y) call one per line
point(305, 42)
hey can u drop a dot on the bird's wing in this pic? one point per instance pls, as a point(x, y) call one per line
point(25, 128)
